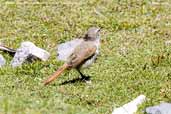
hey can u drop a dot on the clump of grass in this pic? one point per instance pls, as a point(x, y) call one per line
point(141, 27)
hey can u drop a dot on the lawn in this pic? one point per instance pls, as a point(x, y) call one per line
point(134, 58)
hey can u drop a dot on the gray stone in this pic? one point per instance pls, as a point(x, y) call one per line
point(2, 61)
point(28, 51)
point(65, 49)
point(163, 108)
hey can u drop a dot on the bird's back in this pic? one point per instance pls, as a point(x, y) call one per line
point(82, 53)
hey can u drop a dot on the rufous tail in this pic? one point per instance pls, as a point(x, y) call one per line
point(56, 74)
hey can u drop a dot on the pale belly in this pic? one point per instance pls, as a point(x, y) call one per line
point(89, 62)
point(93, 58)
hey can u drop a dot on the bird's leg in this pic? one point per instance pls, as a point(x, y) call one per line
point(83, 77)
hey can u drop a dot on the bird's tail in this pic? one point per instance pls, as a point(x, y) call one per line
point(56, 74)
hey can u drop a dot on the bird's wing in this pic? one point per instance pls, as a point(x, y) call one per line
point(64, 50)
point(81, 54)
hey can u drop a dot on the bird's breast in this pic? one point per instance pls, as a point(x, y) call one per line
point(93, 58)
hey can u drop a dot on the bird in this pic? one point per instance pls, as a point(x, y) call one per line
point(82, 56)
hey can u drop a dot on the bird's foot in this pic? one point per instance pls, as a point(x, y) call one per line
point(86, 79)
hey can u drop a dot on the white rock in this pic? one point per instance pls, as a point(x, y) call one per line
point(2, 61)
point(65, 49)
point(28, 51)
point(131, 107)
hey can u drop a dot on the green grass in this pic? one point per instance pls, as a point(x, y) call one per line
point(139, 27)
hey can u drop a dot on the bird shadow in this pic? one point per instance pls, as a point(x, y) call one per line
point(75, 80)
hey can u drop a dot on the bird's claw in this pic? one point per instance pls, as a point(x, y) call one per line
point(86, 79)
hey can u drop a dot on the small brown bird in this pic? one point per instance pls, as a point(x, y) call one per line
point(83, 55)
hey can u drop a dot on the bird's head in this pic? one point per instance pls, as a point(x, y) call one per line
point(92, 34)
